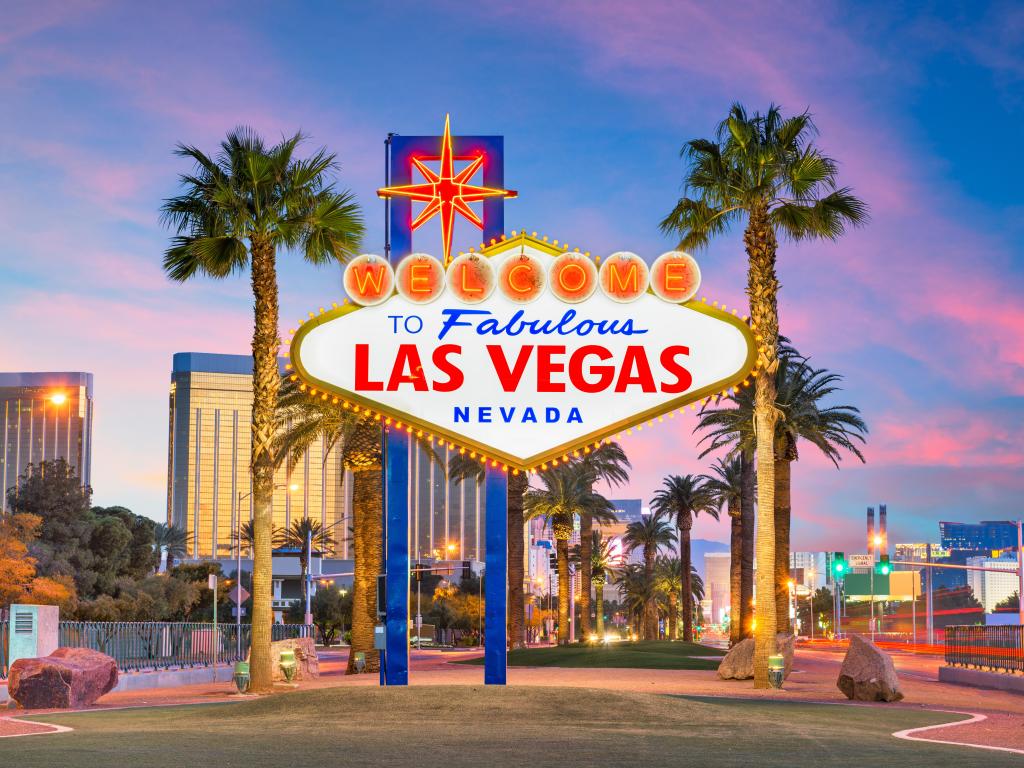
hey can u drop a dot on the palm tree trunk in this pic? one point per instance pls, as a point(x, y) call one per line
point(266, 381)
point(564, 587)
point(517, 484)
point(735, 573)
point(650, 617)
point(599, 605)
point(586, 550)
point(367, 505)
point(684, 549)
point(747, 525)
point(782, 525)
point(762, 289)
point(673, 615)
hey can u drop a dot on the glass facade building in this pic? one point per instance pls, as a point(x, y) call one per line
point(209, 491)
point(447, 521)
point(45, 416)
point(978, 537)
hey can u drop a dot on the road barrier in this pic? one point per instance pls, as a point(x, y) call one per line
point(150, 645)
point(997, 648)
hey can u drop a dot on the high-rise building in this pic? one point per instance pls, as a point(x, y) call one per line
point(918, 552)
point(809, 569)
point(992, 587)
point(447, 520)
point(717, 584)
point(209, 489)
point(979, 537)
point(44, 416)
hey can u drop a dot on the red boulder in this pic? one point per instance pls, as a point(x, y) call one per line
point(67, 678)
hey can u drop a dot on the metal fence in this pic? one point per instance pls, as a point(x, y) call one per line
point(999, 648)
point(139, 645)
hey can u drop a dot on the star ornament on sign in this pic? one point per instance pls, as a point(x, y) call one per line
point(446, 192)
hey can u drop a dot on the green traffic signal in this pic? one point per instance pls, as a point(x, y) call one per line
point(883, 567)
point(839, 563)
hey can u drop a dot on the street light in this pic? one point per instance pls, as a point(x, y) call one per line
point(292, 487)
point(58, 398)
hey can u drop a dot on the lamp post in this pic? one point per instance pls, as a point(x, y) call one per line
point(238, 556)
point(810, 599)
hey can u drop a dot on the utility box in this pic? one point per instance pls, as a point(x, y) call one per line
point(33, 631)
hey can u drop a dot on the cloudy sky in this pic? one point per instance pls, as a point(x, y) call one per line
point(922, 312)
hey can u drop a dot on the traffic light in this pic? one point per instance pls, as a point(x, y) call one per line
point(839, 565)
point(882, 567)
point(553, 561)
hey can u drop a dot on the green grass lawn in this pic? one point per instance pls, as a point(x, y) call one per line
point(647, 654)
point(462, 726)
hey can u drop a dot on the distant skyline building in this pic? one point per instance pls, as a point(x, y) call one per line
point(209, 490)
point(809, 568)
point(991, 587)
point(985, 536)
point(717, 585)
point(918, 552)
point(45, 416)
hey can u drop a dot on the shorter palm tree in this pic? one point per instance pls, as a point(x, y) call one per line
point(172, 539)
point(649, 534)
point(247, 536)
point(603, 569)
point(566, 493)
point(300, 535)
point(639, 594)
point(725, 491)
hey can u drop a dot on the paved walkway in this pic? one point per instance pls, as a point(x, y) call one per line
point(813, 680)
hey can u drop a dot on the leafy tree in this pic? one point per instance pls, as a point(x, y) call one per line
point(649, 534)
point(332, 612)
point(566, 491)
point(683, 497)
point(140, 558)
point(235, 211)
point(1009, 603)
point(763, 169)
point(18, 580)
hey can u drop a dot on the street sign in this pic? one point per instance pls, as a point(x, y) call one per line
point(861, 561)
point(238, 594)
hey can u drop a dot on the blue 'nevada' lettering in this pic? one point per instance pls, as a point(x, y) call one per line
point(486, 414)
point(567, 325)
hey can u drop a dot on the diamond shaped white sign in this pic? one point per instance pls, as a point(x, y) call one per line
point(523, 383)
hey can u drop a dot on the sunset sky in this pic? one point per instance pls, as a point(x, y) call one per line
point(922, 311)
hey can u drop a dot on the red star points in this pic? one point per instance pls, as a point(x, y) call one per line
point(446, 192)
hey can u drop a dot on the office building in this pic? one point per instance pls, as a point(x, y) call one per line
point(980, 537)
point(917, 552)
point(209, 490)
point(809, 569)
point(448, 514)
point(717, 585)
point(44, 416)
point(990, 587)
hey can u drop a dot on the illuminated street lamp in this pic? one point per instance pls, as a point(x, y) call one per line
point(58, 398)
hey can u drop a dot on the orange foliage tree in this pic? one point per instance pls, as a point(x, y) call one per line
point(18, 580)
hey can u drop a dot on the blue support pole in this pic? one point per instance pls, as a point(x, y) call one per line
point(396, 559)
point(496, 576)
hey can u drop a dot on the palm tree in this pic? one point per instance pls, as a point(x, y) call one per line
point(307, 420)
point(462, 467)
point(725, 491)
point(235, 210)
point(833, 429)
point(608, 463)
point(567, 491)
point(649, 534)
point(170, 538)
point(765, 169)
point(668, 573)
point(640, 595)
point(603, 569)
point(247, 535)
point(683, 497)
point(303, 532)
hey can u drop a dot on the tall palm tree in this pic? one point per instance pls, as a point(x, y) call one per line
point(235, 211)
point(307, 420)
point(649, 534)
point(725, 491)
point(833, 429)
point(462, 467)
point(603, 569)
point(683, 497)
point(300, 534)
point(608, 463)
point(170, 538)
point(764, 170)
point(566, 491)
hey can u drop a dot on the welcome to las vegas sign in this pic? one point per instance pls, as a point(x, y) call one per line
point(522, 354)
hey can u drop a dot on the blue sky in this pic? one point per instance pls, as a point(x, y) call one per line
point(922, 311)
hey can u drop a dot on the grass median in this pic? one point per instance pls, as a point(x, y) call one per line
point(649, 654)
point(464, 726)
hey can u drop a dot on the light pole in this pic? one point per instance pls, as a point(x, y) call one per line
point(238, 556)
point(810, 599)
